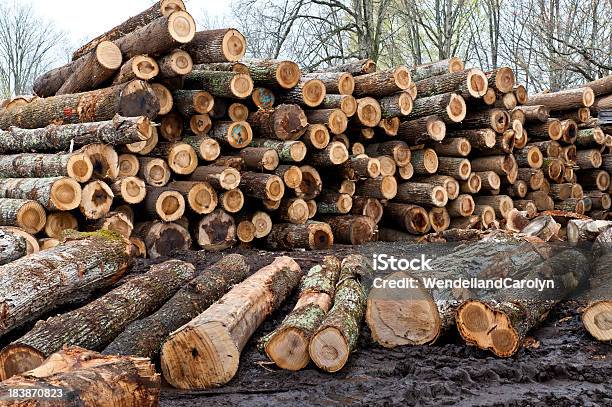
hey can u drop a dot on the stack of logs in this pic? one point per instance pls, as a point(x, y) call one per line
point(156, 131)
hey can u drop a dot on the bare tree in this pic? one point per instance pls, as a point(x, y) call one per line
point(27, 47)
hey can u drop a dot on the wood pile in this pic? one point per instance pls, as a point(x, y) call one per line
point(166, 138)
point(181, 142)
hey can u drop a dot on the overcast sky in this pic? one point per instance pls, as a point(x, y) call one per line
point(85, 19)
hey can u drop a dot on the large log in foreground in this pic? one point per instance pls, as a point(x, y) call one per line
point(12, 247)
point(337, 336)
point(287, 345)
point(499, 322)
point(205, 352)
point(94, 325)
point(89, 379)
point(38, 283)
point(145, 336)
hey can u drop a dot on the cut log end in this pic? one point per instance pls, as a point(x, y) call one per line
point(346, 84)
point(233, 200)
point(275, 188)
point(288, 348)
point(31, 217)
point(288, 74)
point(183, 159)
point(133, 190)
point(487, 328)
point(369, 111)
point(239, 135)
point(505, 80)
point(233, 45)
point(202, 198)
point(80, 167)
point(241, 86)
point(238, 112)
point(211, 352)
point(313, 92)
point(329, 350)
point(17, 359)
point(181, 27)
point(477, 83)
point(292, 177)
point(456, 109)
point(96, 200)
point(402, 78)
point(245, 231)
point(297, 211)
point(170, 206)
point(109, 55)
point(597, 319)
point(437, 130)
point(200, 124)
point(66, 194)
point(164, 96)
point(263, 224)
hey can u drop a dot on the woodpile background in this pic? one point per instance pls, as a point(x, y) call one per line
point(171, 138)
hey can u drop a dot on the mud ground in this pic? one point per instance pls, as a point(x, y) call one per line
point(564, 366)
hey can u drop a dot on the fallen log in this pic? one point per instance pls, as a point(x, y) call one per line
point(235, 318)
point(88, 378)
point(74, 270)
point(135, 98)
point(96, 324)
point(144, 337)
point(336, 338)
point(499, 322)
point(287, 345)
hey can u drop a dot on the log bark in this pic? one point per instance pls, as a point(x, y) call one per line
point(535, 113)
point(118, 131)
point(450, 107)
point(587, 159)
point(496, 119)
point(360, 166)
point(274, 73)
point(96, 324)
point(262, 186)
point(412, 218)
point(502, 204)
point(437, 68)
point(58, 193)
point(397, 149)
point(144, 337)
point(341, 83)
point(382, 83)
point(355, 68)
point(220, 84)
point(380, 188)
point(397, 105)
point(86, 73)
point(175, 64)
point(334, 154)
point(421, 194)
point(479, 139)
point(192, 102)
point(454, 147)
point(236, 135)
point(564, 99)
point(218, 176)
point(138, 67)
point(287, 345)
point(134, 98)
point(236, 316)
point(163, 239)
point(468, 83)
point(288, 151)
point(500, 164)
point(334, 119)
point(458, 168)
point(285, 122)
point(57, 276)
point(351, 229)
point(340, 328)
point(346, 103)
point(425, 161)
point(223, 45)
point(12, 247)
point(594, 179)
point(312, 236)
point(88, 378)
point(449, 183)
point(77, 166)
point(169, 32)
point(500, 322)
